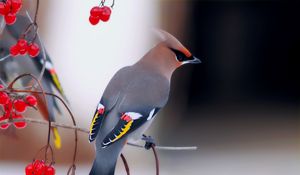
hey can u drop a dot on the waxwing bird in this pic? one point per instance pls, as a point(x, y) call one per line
point(12, 67)
point(132, 99)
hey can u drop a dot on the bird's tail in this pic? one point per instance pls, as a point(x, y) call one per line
point(48, 114)
point(56, 137)
point(106, 159)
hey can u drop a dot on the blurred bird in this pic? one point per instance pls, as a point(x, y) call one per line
point(132, 99)
point(12, 67)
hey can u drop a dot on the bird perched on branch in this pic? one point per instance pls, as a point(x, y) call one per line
point(11, 67)
point(132, 99)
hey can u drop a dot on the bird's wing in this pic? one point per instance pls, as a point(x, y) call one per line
point(142, 100)
point(128, 123)
point(108, 101)
point(50, 74)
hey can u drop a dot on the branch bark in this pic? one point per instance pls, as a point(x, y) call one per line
point(61, 125)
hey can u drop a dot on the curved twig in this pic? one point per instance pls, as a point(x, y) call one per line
point(125, 164)
point(156, 159)
point(10, 87)
point(73, 166)
point(43, 50)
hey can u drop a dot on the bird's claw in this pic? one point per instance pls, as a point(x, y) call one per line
point(149, 142)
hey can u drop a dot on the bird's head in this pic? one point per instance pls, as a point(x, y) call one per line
point(180, 54)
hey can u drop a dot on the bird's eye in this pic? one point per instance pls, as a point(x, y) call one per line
point(179, 55)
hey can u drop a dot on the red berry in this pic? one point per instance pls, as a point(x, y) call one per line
point(10, 18)
point(33, 49)
point(16, 5)
point(1, 86)
point(94, 20)
point(96, 11)
point(8, 6)
point(105, 15)
point(3, 9)
point(39, 167)
point(4, 126)
point(20, 105)
point(31, 100)
point(50, 170)
point(14, 50)
point(29, 170)
point(22, 45)
point(4, 98)
point(19, 125)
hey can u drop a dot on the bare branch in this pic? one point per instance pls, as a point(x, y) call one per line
point(61, 125)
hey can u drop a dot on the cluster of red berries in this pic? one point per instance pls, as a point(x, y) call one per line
point(22, 47)
point(13, 108)
point(99, 13)
point(9, 10)
point(38, 167)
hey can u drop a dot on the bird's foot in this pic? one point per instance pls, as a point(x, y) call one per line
point(149, 142)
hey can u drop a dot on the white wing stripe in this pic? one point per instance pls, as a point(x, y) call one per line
point(151, 114)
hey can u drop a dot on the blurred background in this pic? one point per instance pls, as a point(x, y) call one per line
point(241, 107)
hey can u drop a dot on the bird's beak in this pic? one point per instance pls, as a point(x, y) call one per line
point(195, 60)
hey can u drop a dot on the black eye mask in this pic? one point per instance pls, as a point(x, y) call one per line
point(180, 56)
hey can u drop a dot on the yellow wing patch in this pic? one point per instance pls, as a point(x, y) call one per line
point(93, 127)
point(57, 139)
point(124, 131)
point(56, 81)
point(93, 123)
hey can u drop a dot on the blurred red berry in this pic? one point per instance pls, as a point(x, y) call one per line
point(31, 100)
point(50, 170)
point(94, 20)
point(4, 98)
point(4, 126)
point(16, 5)
point(96, 11)
point(20, 105)
point(105, 13)
point(14, 50)
point(8, 6)
point(22, 45)
point(10, 18)
point(29, 170)
point(19, 125)
point(33, 49)
point(39, 167)
point(1, 86)
point(3, 9)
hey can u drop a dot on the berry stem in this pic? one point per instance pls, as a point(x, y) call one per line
point(113, 4)
point(36, 11)
point(10, 87)
point(73, 167)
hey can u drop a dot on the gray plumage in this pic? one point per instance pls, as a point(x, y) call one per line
point(12, 67)
point(139, 90)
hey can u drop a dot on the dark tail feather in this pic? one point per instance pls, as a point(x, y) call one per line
point(106, 158)
point(98, 170)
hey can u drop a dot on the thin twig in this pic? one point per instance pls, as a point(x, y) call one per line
point(153, 147)
point(43, 49)
point(125, 164)
point(73, 166)
point(61, 125)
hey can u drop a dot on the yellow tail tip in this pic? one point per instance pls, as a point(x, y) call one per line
point(57, 139)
